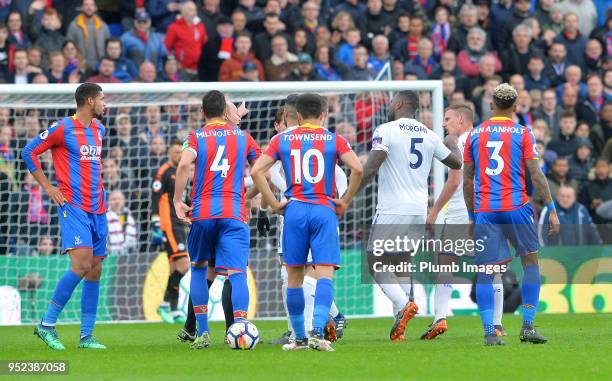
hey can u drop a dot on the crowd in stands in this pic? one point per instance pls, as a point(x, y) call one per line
point(557, 54)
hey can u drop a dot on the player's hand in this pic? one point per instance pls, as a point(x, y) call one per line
point(55, 194)
point(553, 221)
point(182, 211)
point(263, 222)
point(242, 110)
point(431, 218)
point(279, 207)
point(341, 206)
point(157, 236)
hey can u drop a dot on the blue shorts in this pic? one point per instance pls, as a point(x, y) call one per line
point(81, 229)
point(495, 229)
point(224, 240)
point(310, 227)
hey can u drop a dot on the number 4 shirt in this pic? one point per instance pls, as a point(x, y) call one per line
point(402, 178)
point(499, 148)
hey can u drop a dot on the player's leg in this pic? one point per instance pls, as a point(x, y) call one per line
point(188, 333)
point(498, 305)
point(309, 287)
point(179, 265)
point(89, 305)
point(295, 305)
point(442, 295)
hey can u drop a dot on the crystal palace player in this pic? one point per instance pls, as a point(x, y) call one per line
point(309, 154)
point(497, 155)
point(220, 152)
point(76, 146)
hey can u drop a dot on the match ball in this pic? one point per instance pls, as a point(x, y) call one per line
point(242, 335)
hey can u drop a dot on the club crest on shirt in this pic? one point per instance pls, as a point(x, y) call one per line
point(43, 135)
point(156, 185)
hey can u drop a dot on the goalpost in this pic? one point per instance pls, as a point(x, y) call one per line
point(141, 119)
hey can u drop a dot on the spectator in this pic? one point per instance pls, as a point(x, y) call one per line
point(305, 70)
point(486, 70)
point(517, 56)
point(49, 37)
point(34, 60)
point(6, 151)
point(249, 72)
point(105, 72)
point(555, 68)
point(549, 111)
point(17, 36)
point(122, 234)
point(89, 32)
point(406, 49)
point(310, 19)
point(380, 54)
point(402, 27)
point(231, 69)
point(146, 72)
point(585, 12)
point(341, 24)
point(373, 22)
point(590, 109)
point(254, 14)
point(44, 247)
point(581, 162)
point(125, 139)
point(185, 38)
point(367, 112)
point(347, 131)
point(163, 12)
point(352, 38)
point(534, 78)
point(565, 143)
point(125, 70)
point(5, 52)
point(468, 19)
point(172, 71)
point(57, 64)
point(115, 177)
point(353, 7)
point(302, 43)
point(559, 176)
point(322, 65)
point(523, 109)
point(597, 190)
point(280, 65)
point(424, 59)
point(573, 76)
point(239, 20)
point(322, 36)
point(448, 64)
point(448, 87)
point(20, 74)
point(469, 58)
point(40, 78)
point(569, 97)
point(574, 42)
point(210, 14)
point(441, 31)
point(75, 63)
point(593, 56)
point(360, 71)
point(521, 12)
point(577, 228)
point(262, 44)
point(217, 49)
point(153, 125)
point(543, 12)
point(142, 44)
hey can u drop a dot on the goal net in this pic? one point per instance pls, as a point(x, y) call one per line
point(141, 120)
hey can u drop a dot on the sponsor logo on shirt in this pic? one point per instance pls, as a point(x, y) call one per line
point(90, 153)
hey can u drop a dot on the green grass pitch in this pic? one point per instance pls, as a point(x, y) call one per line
point(579, 348)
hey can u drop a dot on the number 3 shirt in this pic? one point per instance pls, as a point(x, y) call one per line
point(402, 178)
point(221, 152)
point(499, 148)
point(309, 154)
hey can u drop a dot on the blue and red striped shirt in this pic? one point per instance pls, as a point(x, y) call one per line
point(309, 154)
point(76, 152)
point(499, 148)
point(222, 152)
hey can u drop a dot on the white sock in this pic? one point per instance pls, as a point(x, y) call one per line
point(396, 294)
point(498, 295)
point(444, 289)
point(309, 285)
point(333, 311)
point(404, 283)
point(285, 282)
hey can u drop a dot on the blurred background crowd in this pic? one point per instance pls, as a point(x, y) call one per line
point(557, 54)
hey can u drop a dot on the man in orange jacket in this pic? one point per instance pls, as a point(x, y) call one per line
point(231, 69)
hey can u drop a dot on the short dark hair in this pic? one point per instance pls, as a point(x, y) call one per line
point(290, 105)
point(309, 105)
point(213, 104)
point(85, 91)
point(106, 58)
point(567, 114)
point(410, 99)
point(175, 142)
point(112, 39)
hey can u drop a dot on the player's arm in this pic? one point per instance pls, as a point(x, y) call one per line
point(35, 147)
point(157, 190)
point(468, 187)
point(543, 192)
point(453, 160)
point(258, 173)
point(450, 186)
point(351, 160)
point(182, 175)
point(375, 159)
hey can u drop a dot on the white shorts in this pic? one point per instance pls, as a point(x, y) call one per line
point(456, 228)
point(411, 226)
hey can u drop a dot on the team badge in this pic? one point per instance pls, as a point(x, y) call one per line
point(77, 240)
point(43, 135)
point(156, 185)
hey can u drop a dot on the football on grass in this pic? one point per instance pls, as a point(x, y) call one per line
point(242, 335)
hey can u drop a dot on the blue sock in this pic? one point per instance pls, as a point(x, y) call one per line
point(240, 295)
point(324, 297)
point(530, 291)
point(486, 300)
point(89, 306)
point(199, 297)
point(61, 295)
point(295, 305)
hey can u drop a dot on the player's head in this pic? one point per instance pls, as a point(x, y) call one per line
point(213, 104)
point(504, 99)
point(404, 105)
point(89, 96)
point(231, 114)
point(324, 109)
point(174, 152)
point(289, 110)
point(279, 120)
point(309, 108)
point(458, 118)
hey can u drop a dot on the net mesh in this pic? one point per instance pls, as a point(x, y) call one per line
point(140, 126)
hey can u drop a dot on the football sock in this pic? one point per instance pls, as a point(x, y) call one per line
point(404, 283)
point(190, 323)
point(309, 286)
point(324, 297)
point(498, 290)
point(199, 297)
point(226, 302)
point(240, 295)
point(89, 306)
point(172, 290)
point(530, 289)
point(285, 281)
point(334, 311)
point(295, 305)
point(485, 299)
point(394, 292)
point(441, 298)
point(61, 295)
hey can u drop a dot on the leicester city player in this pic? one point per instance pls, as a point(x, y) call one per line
point(76, 147)
point(309, 154)
point(497, 155)
point(219, 227)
